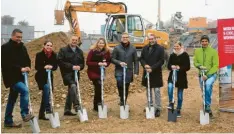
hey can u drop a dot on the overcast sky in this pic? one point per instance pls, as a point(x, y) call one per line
point(40, 13)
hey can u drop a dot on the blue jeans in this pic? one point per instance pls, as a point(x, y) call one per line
point(179, 95)
point(208, 88)
point(21, 88)
point(46, 97)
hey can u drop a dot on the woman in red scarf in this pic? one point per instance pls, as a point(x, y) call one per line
point(99, 55)
point(45, 60)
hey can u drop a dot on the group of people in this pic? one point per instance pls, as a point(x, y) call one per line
point(70, 59)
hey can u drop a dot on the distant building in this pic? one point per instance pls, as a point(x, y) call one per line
point(197, 24)
point(6, 30)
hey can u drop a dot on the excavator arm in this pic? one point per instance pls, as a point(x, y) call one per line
point(71, 9)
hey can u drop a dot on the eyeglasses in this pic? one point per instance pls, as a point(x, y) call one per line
point(124, 37)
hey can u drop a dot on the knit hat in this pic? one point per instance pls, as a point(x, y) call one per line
point(205, 37)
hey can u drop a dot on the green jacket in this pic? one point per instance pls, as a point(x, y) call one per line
point(207, 57)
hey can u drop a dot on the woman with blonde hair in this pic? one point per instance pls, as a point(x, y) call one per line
point(99, 55)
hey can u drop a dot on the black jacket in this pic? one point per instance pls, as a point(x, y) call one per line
point(183, 61)
point(41, 75)
point(66, 60)
point(155, 59)
point(128, 55)
point(14, 57)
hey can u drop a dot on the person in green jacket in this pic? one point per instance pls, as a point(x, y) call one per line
point(206, 58)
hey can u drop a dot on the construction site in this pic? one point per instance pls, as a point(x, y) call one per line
point(138, 28)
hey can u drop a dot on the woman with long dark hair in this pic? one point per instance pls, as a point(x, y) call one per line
point(45, 60)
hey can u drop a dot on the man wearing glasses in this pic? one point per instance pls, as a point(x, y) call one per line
point(125, 55)
point(152, 60)
point(70, 58)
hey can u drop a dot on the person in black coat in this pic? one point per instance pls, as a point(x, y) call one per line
point(15, 61)
point(45, 60)
point(125, 54)
point(179, 60)
point(152, 60)
point(70, 58)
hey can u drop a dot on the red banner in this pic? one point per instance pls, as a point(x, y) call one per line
point(226, 42)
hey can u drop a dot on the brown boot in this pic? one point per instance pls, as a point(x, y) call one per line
point(28, 117)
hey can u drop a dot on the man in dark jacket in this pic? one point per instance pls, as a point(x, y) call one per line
point(124, 55)
point(70, 58)
point(15, 61)
point(152, 59)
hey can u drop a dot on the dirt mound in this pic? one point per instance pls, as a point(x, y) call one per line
point(59, 40)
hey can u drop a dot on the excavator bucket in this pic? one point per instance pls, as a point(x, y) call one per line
point(59, 17)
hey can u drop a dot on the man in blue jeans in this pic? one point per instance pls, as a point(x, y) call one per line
point(206, 58)
point(15, 61)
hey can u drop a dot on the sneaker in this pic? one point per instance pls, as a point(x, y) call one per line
point(207, 109)
point(170, 105)
point(178, 113)
point(69, 113)
point(157, 113)
point(28, 117)
point(13, 125)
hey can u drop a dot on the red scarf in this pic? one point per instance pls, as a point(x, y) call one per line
point(48, 54)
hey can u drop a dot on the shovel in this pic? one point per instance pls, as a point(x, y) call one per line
point(33, 122)
point(54, 116)
point(102, 109)
point(149, 110)
point(172, 113)
point(204, 116)
point(124, 110)
point(82, 113)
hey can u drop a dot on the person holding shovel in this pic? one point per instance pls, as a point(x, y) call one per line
point(45, 60)
point(152, 60)
point(206, 59)
point(15, 61)
point(98, 56)
point(125, 55)
point(178, 61)
point(70, 58)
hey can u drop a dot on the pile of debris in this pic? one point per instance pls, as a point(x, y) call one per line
point(59, 40)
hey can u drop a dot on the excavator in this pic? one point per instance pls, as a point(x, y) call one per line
point(118, 21)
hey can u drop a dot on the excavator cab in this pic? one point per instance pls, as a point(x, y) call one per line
point(117, 24)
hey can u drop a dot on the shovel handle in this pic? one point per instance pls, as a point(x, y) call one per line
point(25, 74)
point(78, 87)
point(203, 90)
point(50, 85)
point(174, 81)
point(102, 87)
point(124, 80)
point(148, 88)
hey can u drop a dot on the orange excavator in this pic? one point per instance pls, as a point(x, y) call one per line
point(118, 21)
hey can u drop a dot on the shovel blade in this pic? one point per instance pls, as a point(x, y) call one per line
point(204, 118)
point(83, 116)
point(150, 114)
point(172, 115)
point(54, 120)
point(34, 125)
point(102, 111)
point(124, 112)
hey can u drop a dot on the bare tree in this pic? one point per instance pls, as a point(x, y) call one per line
point(23, 23)
point(7, 20)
